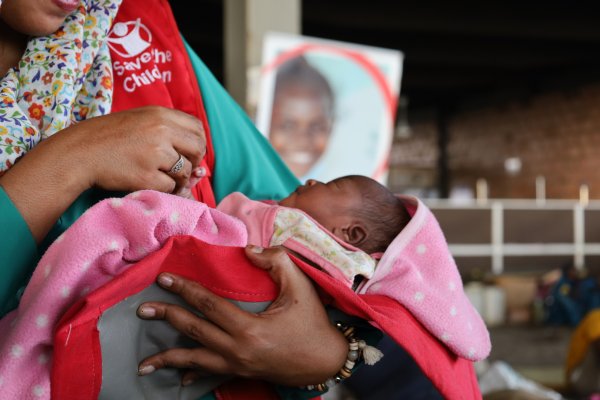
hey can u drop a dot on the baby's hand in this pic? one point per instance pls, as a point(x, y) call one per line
point(186, 191)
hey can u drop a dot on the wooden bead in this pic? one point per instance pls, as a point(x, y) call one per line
point(345, 373)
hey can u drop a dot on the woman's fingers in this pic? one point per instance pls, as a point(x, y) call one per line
point(158, 180)
point(186, 322)
point(199, 358)
point(192, 375)
point(292, 282)
point(187, 140)
point(215, 308)
point(190, 138)
point(291, 343)
point(192, 145)
point(126, 150)
point(179, 170)
point(186, 191)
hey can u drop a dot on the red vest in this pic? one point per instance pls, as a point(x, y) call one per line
point(151, 67)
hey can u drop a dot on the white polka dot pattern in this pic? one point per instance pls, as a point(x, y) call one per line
point(16, 350)
point(418, 270)
point(65, 291)
point(43, 359)
point(41, 321)
point(38, 391)
point(116, 202)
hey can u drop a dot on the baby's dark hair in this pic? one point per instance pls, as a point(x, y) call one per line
point(382, 212)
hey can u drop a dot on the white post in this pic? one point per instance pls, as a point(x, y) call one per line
point(246, 22)
point(579, 235)
point(584, 195)
point(497, 237)
point(481, 191)
point(540, 190)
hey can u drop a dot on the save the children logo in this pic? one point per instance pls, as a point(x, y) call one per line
point(139, 63)
point(128, 39)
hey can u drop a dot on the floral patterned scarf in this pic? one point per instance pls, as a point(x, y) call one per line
point(61, 79)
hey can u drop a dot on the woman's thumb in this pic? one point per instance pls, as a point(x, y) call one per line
point(276, 262)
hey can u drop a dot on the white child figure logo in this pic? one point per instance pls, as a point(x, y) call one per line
point(128, 39)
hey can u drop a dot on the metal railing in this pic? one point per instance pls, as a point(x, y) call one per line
point(499, 246)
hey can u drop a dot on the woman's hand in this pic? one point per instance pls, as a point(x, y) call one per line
point(291, 343)
point(125, 151)
point(135, 149)
point(186, 190)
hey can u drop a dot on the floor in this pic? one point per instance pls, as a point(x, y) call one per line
point(537, 352)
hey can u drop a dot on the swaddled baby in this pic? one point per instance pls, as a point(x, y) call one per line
point(363, 235)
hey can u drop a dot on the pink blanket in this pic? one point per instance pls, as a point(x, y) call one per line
point(104, 242)
point(417, 270)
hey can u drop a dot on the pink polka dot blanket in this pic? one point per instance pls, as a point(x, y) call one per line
point(418, 270)
point(104, 242)
point(115, 235)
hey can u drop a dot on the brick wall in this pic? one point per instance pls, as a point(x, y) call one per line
point(555, 135)
point(413, 160)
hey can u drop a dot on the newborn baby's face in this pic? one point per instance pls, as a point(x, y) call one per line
point(326, 203)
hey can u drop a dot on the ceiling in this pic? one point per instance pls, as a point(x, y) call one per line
point(457, 54)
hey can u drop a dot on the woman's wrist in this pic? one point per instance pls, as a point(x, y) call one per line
point(357, 350)
point(44, 183)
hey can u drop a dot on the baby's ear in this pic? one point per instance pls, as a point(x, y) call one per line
point(355, 234)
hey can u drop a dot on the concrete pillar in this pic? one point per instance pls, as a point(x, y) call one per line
point(246, 22)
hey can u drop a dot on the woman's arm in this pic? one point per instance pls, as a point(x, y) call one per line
point(291, 343)
point(125, 151)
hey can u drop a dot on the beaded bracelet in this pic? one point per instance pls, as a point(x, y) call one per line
point(357, 349)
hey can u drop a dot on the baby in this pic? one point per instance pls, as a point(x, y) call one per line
point(327, 223)
point(375, 243)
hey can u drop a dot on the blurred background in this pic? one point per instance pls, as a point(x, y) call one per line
point(497, 127)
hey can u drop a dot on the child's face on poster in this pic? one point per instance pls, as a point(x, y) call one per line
point(301, 123)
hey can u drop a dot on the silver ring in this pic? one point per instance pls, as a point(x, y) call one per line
point(178, 166)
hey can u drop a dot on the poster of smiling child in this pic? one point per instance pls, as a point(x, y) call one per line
point(328, 107)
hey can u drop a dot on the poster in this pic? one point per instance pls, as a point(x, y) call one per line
point(327, 107)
